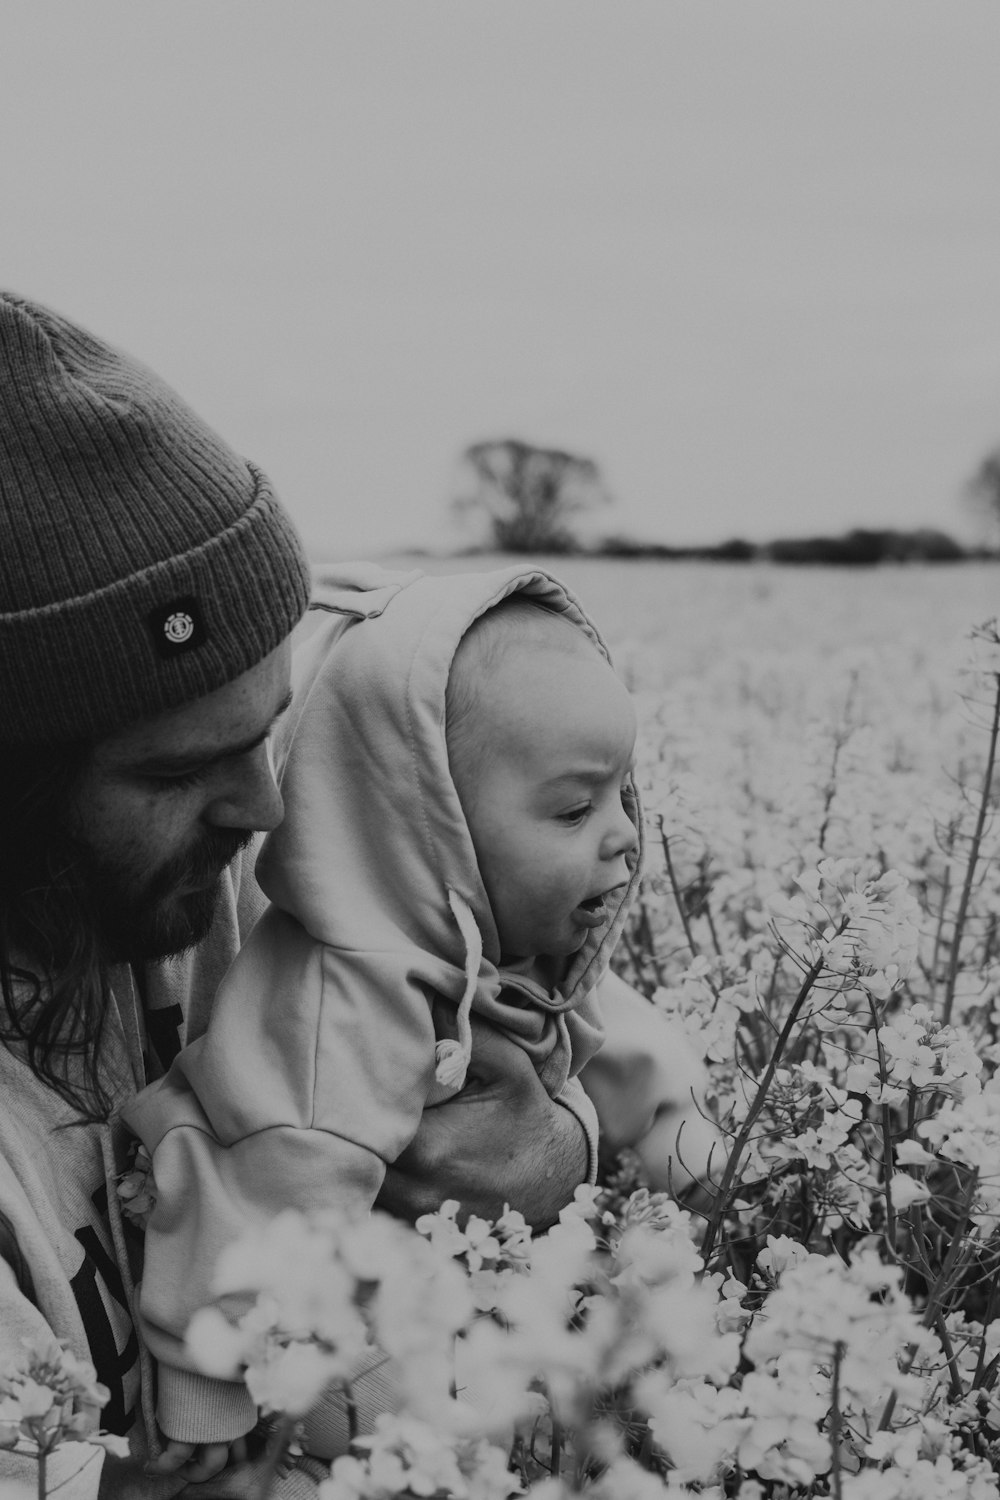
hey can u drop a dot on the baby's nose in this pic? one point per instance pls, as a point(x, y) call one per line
point(621, 839)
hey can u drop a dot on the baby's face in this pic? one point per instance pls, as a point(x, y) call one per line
point(544, 801)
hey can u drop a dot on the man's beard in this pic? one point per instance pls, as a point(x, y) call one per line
point(168, 913)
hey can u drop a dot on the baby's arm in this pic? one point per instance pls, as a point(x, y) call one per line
point(303, 1086)
point(648, 1087)
point(209, 1193)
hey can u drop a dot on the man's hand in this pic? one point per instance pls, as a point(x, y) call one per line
point(501, 1140)
point(197, 1462)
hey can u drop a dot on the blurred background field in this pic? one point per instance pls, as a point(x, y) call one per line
point(681, 618)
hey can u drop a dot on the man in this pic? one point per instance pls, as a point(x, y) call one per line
point(149, 584)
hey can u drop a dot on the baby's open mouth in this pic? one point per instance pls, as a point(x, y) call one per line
point(593, 904)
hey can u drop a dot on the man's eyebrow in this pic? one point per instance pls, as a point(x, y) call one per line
point(193, 758)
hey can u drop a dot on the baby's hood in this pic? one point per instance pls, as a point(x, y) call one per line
point(374, 855)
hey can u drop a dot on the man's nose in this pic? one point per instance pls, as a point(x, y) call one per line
point(251, 799)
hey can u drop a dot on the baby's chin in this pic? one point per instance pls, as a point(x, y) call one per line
point(551, 954)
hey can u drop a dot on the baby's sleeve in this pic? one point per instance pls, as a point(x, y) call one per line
point(209, 1193)
point(296, 1097)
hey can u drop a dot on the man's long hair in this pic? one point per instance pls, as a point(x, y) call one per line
point(53, 981)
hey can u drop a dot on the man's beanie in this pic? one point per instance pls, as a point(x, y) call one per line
point(142, 563)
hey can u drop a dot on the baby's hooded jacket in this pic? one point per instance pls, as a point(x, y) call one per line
point(345, 1014)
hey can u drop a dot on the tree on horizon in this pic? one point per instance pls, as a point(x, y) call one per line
point(983, 491)
point(529, 495)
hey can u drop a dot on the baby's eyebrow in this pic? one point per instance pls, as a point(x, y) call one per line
point(581, 776)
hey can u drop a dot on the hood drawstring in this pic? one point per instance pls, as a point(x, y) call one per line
point(146, 1375)
point(451, 1056)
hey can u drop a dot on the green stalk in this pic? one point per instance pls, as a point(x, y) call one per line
point(646, 934)
point(555, 1457)
point(890, 1212)
point(973, 860)
point(276, 1445)
point(838, 1355)
point(955, 1381)
point(934, 1309)
point(977, 1379)
point(732, 1165)
point(678, 901)
point(711, 926)
point(939, 925)
point(935, 1300)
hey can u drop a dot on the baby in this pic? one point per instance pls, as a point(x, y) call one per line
point(540, 736)
point(461, 834)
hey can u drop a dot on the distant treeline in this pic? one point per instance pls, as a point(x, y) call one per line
point(857, 548)
point(530, 497)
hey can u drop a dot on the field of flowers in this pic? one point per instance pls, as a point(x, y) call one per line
point(821, 915)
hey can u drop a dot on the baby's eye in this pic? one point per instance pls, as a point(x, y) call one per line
point(573, 816)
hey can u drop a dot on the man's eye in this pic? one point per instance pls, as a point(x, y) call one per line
point(176, 782)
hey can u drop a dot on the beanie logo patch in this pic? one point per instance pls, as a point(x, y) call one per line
point(177, 627)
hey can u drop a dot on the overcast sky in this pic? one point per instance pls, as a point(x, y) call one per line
point(745, 254)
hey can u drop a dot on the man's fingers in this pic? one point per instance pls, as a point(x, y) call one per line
point(196, 1461)
point(497, 1064)
point(209, 1459)
point(171, 1459)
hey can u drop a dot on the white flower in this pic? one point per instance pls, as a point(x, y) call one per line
point(215, 1344)
point(907, 1191)
point(293, 1378)
point(910, 1153)
point(698, 1425)
point(407, 1457)
point(780, 1252)
point(49, 1396)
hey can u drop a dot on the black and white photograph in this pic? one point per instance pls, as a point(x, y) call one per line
point(499, 722)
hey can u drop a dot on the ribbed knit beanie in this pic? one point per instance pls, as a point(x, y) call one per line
point(142, 563)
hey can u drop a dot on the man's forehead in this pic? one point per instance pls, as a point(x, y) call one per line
point(232, 718)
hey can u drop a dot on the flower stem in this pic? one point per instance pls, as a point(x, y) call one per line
point(887, 1154)
point(939, 1291)
point(351, 1407)
point(977, 1379)
point(732, 1165)
point(276, 1445)
point(678, 898)
point(935, 1298)
point(838, 1355)
point(970, 867)
point(941, 1327)
point(555, 1456)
